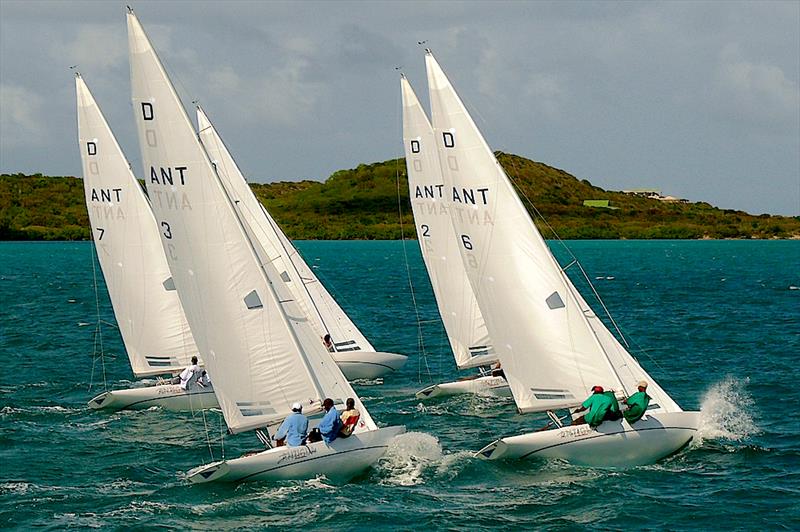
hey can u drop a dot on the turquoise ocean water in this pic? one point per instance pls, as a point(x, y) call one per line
point(717, 322)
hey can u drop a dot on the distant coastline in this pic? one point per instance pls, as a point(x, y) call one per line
point(362, 204)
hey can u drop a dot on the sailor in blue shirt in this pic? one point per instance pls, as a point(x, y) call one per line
point(330, 424)
point(294, 428)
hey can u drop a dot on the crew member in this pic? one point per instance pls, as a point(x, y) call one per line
point(294, 428)
point(637, 404)
point(599, 405)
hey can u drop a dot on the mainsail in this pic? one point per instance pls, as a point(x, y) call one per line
point(455, 299)
point(552, 346)
point(259, 347)
point(324, 314)
point(146, 305)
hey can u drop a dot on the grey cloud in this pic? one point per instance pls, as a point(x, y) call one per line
point(699, 99)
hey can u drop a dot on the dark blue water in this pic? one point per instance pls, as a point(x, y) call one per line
point(716, 323)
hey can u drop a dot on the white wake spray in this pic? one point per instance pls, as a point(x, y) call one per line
point(408, 456)
point(726, 412)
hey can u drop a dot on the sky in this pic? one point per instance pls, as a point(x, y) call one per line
point(699, 100)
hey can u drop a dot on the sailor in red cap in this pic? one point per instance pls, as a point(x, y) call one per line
point(599, 405)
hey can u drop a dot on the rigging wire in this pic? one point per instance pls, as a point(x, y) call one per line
point(97, 340)
point(420, 337)
point(205, 429)
point(521, 193)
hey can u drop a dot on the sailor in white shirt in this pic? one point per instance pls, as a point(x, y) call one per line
point(189, 376)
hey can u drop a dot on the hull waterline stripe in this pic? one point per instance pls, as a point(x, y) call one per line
point(602, 436)
point(159, 398)
point(368, 363)
point(315, 458)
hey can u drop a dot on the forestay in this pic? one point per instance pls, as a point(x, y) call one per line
point(324, 314)
point(146, 305)
point(551, 352)
point(628, 369)
point(260, 349)
point(455, 299)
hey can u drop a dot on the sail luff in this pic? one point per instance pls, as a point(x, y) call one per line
point(269, 275)
point(265, 238)
point(239, 325)
point(325, 315)
point(455, 299)
point(550, 354)
point(290, 253)
point(259, 253)
point(294, 258)
point(148, 312)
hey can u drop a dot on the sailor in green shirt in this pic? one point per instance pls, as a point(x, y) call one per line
point(600, 405)
point(637, 404)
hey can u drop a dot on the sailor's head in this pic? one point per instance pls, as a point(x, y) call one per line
point(642, 385)
point(351, 404)
point(194, 360)
point(327, 404)
point(297, 407)
point(597, 389)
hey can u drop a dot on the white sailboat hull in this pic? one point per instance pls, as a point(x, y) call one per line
point(612, 444)
point(368, 364)
point(168, 396)
point(485, 385)
point(354, 365)
point(339, 460)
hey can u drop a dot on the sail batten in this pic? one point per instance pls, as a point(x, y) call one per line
point(149, 315)
point(552, 353)
point(458, 308)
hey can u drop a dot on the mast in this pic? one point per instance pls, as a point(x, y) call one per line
point(279, 250)
point(147, 309)
point(293, 335)
point(460, 312)
point(289, 254)
point(247, 231)
point(549, 353)
point(259, 355)
point(553, 347)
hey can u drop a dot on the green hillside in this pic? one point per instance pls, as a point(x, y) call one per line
point(362, 203)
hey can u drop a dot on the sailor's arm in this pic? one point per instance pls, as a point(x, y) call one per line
point(282, 430)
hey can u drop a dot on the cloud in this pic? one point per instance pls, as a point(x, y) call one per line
point(758, 92)
point(282, 96)
point(93, 46)
point(546, 93)
point(21, 119)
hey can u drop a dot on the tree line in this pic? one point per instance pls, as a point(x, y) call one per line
point(372, 202)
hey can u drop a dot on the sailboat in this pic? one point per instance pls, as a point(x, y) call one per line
point(552, 345)
point(146, 306)
point(351, 351)
point(466, 329)
point(258, 344)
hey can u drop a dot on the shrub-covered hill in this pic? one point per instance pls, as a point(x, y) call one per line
point(362, 203)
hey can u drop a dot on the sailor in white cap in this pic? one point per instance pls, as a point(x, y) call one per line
point(294, 428)
point(637, 403)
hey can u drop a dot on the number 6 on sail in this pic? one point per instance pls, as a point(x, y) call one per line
point(552, 346)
